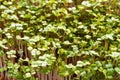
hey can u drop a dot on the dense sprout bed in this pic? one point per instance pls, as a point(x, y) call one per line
point(78, 37)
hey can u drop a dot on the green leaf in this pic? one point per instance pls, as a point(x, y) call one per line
point(117, 69)
point(27, 75)
point(3, 69)
point(86, 3)
point(66, 43)
point(115, 54)
point(94, 53)
point(27, 16)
